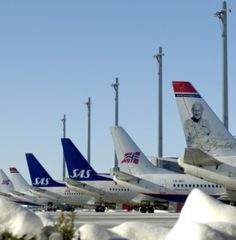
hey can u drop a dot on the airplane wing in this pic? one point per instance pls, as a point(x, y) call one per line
point(84, 188)
point(137, 184)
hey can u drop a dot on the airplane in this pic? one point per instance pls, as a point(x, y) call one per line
point(44, 185)
point(6, 184)
point(7, 188)
point(20, 192)
point(211, 149)
point(83, 178)
point(138, 173)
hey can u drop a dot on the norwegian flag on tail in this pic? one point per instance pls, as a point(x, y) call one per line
point(13, 170)
point(131, 157)
point(5, 182)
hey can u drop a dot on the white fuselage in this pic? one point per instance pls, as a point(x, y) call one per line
point(172, 187)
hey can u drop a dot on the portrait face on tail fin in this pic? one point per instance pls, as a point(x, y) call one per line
point(197, 129)
point(202, 127)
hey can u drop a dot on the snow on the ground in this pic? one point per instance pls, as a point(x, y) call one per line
point(202, 218)
point(127, 230)
point(17, 219)
point(46, 218)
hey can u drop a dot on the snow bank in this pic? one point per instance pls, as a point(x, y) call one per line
point(92, 231)
point(141, 230)
point(46, 218)
point(203, 217)
point(128, 230)
point(18, 220)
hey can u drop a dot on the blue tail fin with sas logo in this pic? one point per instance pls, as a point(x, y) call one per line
point(78, 167)
point(39, 176)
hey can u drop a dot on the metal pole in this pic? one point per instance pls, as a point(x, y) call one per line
point(89, 129)
point(160, 118)
point(116, 88)
point(222, 15)
point(64, 135)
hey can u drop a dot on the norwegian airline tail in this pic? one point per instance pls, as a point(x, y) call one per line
point(20, 184)
point(202, 128)
point(78, 167)
point(5, 183)
point(130, 158)
point(39, 176)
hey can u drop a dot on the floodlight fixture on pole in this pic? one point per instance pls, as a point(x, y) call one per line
point(88, 103)
point(160, 111)
point(64, 135)
point(222, 15)
point(116, 88)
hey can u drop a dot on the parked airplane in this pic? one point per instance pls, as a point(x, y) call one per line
point(44, 185)
point(138, 173)
point(6, 184)
point(83, 178)
point(211, 152)
point(21, 191)
point(7, 188)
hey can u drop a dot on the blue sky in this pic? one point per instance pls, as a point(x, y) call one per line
point(55, 54)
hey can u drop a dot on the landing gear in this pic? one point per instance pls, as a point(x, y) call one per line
point(100, 209)
point(145, 209)
point(151, 209)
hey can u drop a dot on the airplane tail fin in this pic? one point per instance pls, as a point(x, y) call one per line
point(20, 184)
point(130, 158)
point(78, 167)
point(202, 128)
point(5, 183)
point(39, 176)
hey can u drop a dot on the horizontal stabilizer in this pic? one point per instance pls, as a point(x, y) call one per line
point(137, 184)
point(208, 175)
point(16, 193)
point(197, 157)
point(84, 188)
point(123, 176)
point(5, 194)
point(44, 193)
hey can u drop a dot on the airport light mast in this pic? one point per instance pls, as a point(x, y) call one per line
point(88, 103)
point(64, 135)
point(160, 118)
point(222, 15)
point(116, 88)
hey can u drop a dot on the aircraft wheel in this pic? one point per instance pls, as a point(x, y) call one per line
point(151, 209)
point(97, 209)
point(102, 209)
point(143, 209)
